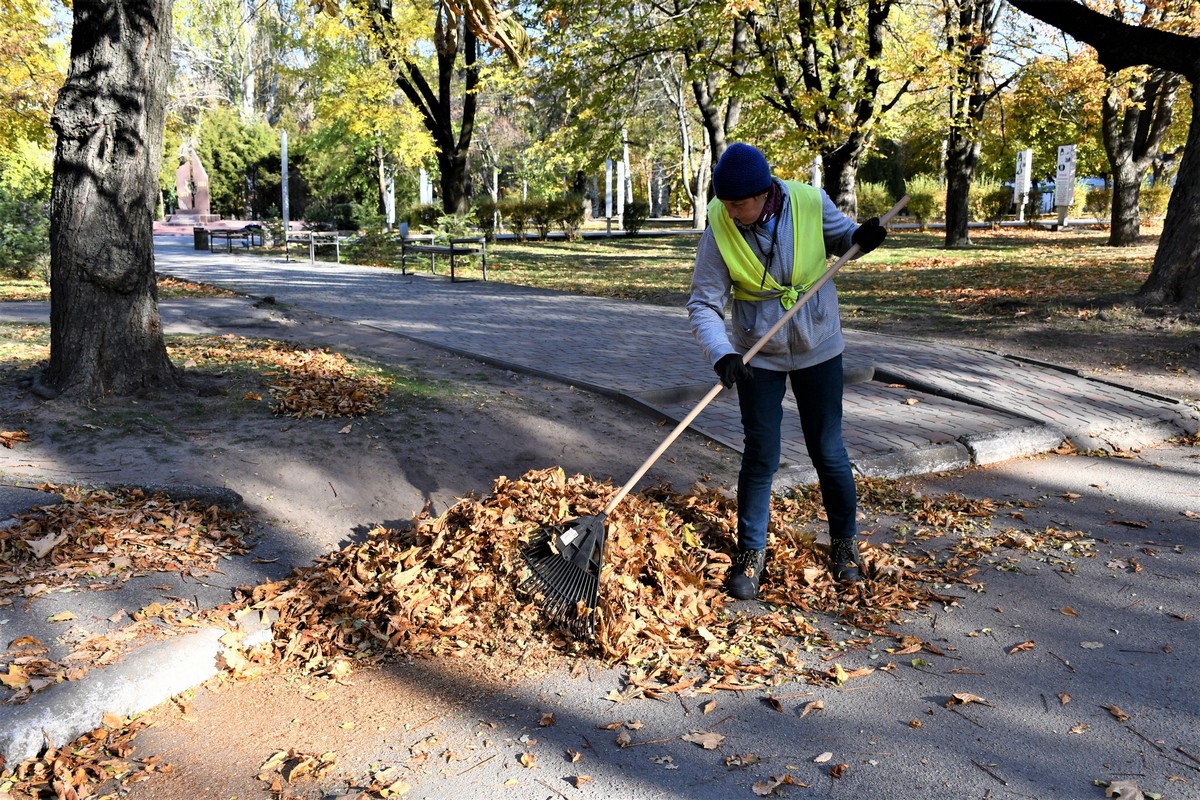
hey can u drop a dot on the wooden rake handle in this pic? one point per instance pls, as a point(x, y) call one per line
point(759, 345)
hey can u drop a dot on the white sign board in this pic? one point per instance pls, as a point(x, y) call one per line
point(283, 183)
point(608, 188)
point(389, 197)
point(1024, 172)
point(426, 189)
point(1064, 179)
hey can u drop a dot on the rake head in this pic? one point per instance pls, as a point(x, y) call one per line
point(564, 562)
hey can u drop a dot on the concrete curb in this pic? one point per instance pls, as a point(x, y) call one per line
point(991, 448)
point(142, 679)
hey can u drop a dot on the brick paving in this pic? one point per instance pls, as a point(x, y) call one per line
point(927, 407)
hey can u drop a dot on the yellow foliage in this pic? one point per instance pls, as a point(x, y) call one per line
point(32, 68)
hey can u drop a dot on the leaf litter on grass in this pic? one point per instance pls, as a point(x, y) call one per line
point(303, 382)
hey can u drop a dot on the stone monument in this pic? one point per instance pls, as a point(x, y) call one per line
point(191, 188)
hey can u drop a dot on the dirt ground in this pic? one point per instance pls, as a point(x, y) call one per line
point(322, 483)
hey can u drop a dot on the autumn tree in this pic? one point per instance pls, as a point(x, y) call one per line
point(105, 332)
point(969, 27)
point(820, 66)
point(1139, 107)
point(444, 89)
point(31, 70)
point(229, 52)
point(676, 64)
point(1175, 275)
point(363, 128)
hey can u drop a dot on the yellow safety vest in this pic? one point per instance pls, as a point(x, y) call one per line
point(750, 281)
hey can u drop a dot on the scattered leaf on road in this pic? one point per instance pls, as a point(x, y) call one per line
point(706, 739)
point(815, 705)
point(767, 788)
point(1117, 712)
point(1124, 790)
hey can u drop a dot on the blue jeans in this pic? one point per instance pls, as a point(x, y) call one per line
point(818, 391)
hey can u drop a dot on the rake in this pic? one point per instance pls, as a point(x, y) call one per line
point(565, 559)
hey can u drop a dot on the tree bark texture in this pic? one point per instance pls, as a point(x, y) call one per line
point(1175, 277)
point(105, 332)
point(1134, 123)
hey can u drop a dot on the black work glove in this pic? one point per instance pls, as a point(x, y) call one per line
point(731, 370)
point(869, 235)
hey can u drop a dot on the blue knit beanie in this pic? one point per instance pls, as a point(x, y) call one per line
point(742, 171)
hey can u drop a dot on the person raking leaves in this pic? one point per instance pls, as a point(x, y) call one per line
point(768, 241)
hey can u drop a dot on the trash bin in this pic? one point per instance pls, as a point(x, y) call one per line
point(201, 237)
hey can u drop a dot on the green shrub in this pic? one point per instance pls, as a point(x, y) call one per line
point(425, 216)
point(874, 200)
point(375, 248)
point(24, 230)
point(540, 217)
point(988, 200)
point(1079, 195)
point(568, 212)
point(926, 198)
point(515, 216)
point(452, 226)
point(1098, 202)
point(1152, 200)
point(485, 217)
point(635, 216)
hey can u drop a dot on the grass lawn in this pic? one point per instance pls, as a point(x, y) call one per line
point(168, 289)
point(911, 276)
point(1006, 273)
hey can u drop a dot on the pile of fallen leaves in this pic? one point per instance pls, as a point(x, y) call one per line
point(451, 585)
point(98, 538)
point(304, 383)
point(104, 756)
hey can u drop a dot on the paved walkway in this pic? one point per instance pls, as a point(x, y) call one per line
point(912, 406)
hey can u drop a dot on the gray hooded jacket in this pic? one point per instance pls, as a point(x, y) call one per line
point(813, 335)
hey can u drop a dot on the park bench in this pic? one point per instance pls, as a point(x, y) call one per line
point(315, 239)
point(248, 238)
point(462, 247)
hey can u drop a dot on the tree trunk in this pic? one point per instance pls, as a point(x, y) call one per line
point(1175, 276)
point(718, 117)
point(1126, 191)
point(841, 178)
point(960, 169)
point(1134, 123)
point(970, 25)
point(439, 109)
point(105, 332)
